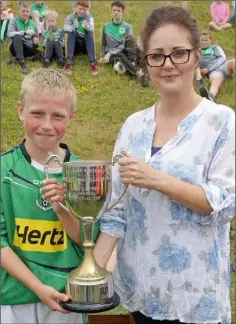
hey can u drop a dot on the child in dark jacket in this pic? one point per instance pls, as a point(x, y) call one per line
point(79, 29)
point(23, 38)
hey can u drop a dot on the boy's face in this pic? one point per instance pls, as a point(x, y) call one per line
point(45, 119)
point(205, 41)
point(52, 22)
point(2, 5)
point(81, 11)
point(24, 13)
point(116, 13)
point(38, 3)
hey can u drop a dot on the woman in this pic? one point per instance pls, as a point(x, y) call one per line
point(172, 226)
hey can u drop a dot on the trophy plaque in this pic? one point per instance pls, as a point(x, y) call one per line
point(87, 197)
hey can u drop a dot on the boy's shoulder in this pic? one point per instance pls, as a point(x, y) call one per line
point(88, 16)
point(10, 158)
point(126, 24)
point(71, 15)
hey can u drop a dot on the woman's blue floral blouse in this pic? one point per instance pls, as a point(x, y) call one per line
point(173, 263)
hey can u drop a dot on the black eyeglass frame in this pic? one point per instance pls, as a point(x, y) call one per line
point(189, 50)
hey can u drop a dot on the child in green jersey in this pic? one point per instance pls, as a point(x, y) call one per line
point(53, 40)
point(38, 12)
point(40, 243)
point(79, 36)
point(119, 48)
point(23, 36)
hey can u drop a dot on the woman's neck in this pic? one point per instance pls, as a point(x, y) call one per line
point(178, 105)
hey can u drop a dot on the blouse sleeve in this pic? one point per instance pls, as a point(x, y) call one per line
point(220, 185)
point(113, 222)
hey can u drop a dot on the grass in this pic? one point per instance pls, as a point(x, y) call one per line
point(104, 101)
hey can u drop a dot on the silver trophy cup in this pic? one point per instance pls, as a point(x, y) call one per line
point(87, 196)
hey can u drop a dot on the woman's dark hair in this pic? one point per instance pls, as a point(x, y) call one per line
point(119, 4)
point(170, 15)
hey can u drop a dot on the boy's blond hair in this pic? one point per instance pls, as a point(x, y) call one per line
point(48, 81)
point(51, 14)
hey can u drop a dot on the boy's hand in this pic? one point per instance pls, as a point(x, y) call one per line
point(85, 24)
point(50, 297)
point(36, 40)
point(76, 24)
point(30, 32)
point(53, 192)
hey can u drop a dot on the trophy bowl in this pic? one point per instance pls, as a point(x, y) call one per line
point(87, 196)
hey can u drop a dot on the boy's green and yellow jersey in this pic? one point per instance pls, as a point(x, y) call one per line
point(31, 228)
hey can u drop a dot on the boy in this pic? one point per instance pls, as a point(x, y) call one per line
point(40, 243)
point(79, 28)
point(73, 4)
point(38, 12)
point(53, 40)
point(119, 47)
point(214, 64)
point(6, 16)
point(23, 38)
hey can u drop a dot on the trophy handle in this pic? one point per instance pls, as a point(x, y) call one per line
point(107, 208)
point(56, 159)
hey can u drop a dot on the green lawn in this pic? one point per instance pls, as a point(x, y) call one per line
point(104, 101)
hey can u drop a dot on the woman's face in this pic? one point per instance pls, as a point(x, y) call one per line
point(171, 78)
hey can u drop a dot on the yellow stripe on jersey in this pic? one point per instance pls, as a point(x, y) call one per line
point(39, 235)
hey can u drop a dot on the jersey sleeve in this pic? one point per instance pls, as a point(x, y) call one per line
point(4, 236)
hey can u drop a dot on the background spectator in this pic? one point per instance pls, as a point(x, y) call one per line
point(220, 15)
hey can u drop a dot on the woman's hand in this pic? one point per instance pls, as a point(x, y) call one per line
point(53, 193)
point(137, 173)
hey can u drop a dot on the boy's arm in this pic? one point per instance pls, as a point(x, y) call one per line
point(219, 52)
point(70, 224)
point(129, 30)
point(44, 38)
point(54, 193)
point(61, 38)
point(90, 26)
point(68, 25)
point(12, 29)
point(13, 265)
point(103, 43)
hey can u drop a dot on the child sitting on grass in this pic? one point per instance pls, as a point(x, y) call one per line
point(214, 64)
point(53, 40)
point(23, 38)
point(6, 15)
point(79, 36)
point(38, 12)
point(220, 15)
